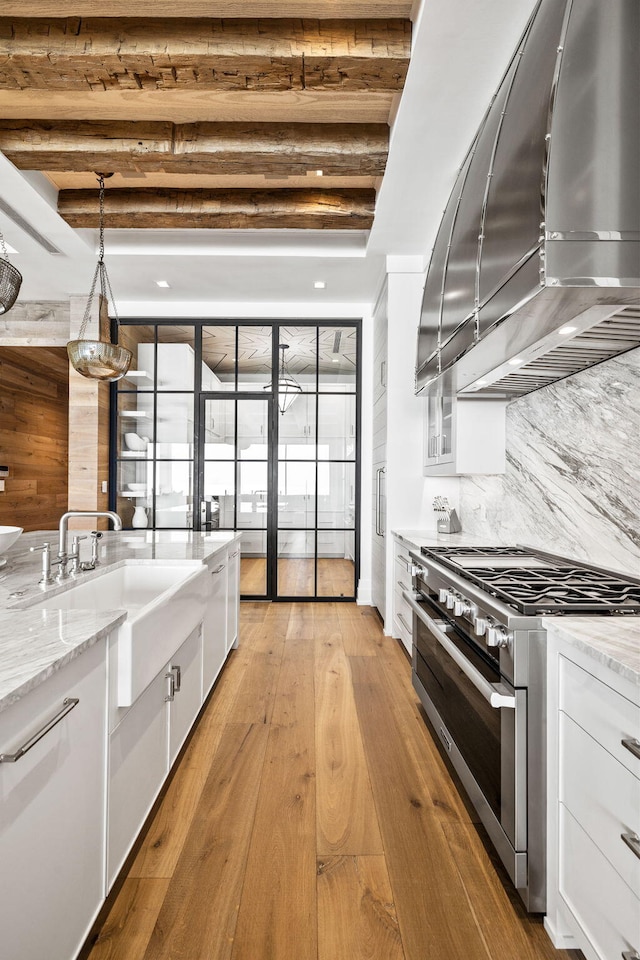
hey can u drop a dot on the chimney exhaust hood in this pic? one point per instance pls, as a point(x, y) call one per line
point(535, 272)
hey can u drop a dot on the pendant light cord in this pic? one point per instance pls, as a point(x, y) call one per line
point(5, 255)
point(100, 271)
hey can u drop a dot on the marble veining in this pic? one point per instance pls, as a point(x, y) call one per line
point(612, 641)
point(573, 461)
point(34, 642)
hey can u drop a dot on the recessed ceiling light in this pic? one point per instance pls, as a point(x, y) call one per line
point(516, 361)
point(319, 284)
point(567, 330)
point(163, 283)
point(335, 359)
point(480, 382)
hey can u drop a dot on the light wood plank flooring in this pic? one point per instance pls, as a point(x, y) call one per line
point(296, 577)
point(313, 818)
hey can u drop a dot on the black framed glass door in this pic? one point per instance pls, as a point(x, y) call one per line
point(211, 430)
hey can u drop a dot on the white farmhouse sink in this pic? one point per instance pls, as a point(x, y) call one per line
point(164, 603)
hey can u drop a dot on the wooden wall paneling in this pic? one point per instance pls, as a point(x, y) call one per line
point(33, 440)
point(35, 324)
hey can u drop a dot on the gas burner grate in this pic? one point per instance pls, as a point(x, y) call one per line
point(558, 586)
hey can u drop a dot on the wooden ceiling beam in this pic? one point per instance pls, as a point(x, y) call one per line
point(190, 106)
point(203, 54)
point(221, 209)
point(289, 149)
point(202, 8)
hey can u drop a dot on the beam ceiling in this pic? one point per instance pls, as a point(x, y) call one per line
point(256, 94)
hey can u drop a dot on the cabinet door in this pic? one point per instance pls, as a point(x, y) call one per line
point(52, 814)
point(233, 597)
point(138, 765)
point(432, 429)
point(186, 666)
point(214, 636)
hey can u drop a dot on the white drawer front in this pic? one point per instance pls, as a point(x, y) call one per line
point(609, 717)
point(403, 564)
point(402, 612)
point(605, 907)
point(602, 795)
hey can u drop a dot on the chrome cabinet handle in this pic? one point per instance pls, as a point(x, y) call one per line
point(403, 622)
point(404, 560)
point(379, 472)
point(632, 840)
point(632, 745)
point(171, 687)
point(178, 675)
point(219, 569)
point(630, 955)
point(67, 706)
point(497, 694)
point(402, 585)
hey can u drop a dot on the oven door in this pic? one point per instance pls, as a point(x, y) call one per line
point(482, 723)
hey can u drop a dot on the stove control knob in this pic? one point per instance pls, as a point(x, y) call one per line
point(479, 626)
point(463, 608)
point(417, 571)
point(442, 595)
point(498, 636)
point(451, 599)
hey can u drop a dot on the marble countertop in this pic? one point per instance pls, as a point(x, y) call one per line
point(612, 640)
point(35, 643)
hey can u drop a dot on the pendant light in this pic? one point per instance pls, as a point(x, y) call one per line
point(10, 280)
point(99, 359)
point(288, 387)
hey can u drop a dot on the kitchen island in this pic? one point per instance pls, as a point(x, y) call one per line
point(83, 756)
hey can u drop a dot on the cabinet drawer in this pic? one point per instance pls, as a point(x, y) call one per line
point(605, 714)
point(605, 907)
point(602, 795)
point(402, 612)
point(403, 565)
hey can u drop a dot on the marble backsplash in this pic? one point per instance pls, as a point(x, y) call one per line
point(572, 483)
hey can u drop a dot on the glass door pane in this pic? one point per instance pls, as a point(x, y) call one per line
point(235, 480)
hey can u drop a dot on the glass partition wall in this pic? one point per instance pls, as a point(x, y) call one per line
point(249, 427)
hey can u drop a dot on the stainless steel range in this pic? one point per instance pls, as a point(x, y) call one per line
point(479, 670)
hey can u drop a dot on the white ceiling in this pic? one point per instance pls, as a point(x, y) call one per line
point(460, 51)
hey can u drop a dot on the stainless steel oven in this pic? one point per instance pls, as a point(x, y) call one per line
point(479, 667)
point(481, 720)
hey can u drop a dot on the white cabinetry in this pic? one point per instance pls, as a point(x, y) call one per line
point(402, 615)
point(215, 622)
point(463, 435)
point(594, 808)
point(52, 813)
point(233, 596)
point(144, 743)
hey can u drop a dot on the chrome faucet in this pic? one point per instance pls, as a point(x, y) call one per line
point(63, 555)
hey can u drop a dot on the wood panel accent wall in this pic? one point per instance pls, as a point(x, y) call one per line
point(34, 402)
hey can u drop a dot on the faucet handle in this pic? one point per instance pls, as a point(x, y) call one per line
point(42, 546)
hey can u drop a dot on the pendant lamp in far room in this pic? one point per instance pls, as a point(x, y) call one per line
point(10, 280)
point(288, 387)
point(99, 359)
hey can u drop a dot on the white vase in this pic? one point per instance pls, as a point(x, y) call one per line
point(140, 518)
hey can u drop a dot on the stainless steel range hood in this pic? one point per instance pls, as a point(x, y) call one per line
point(535, 272)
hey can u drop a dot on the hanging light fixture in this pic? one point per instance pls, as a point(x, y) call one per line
point(288, 387)
point(10, 279)
point(99, 359)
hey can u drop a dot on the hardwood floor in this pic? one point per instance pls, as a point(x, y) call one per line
point(313, 818)
point(296, 577)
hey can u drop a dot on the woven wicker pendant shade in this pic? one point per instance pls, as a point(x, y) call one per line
point(10, 280)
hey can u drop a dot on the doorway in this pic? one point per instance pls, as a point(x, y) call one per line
point(248, 427)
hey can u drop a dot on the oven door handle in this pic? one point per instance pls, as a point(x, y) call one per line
point(497, 694)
